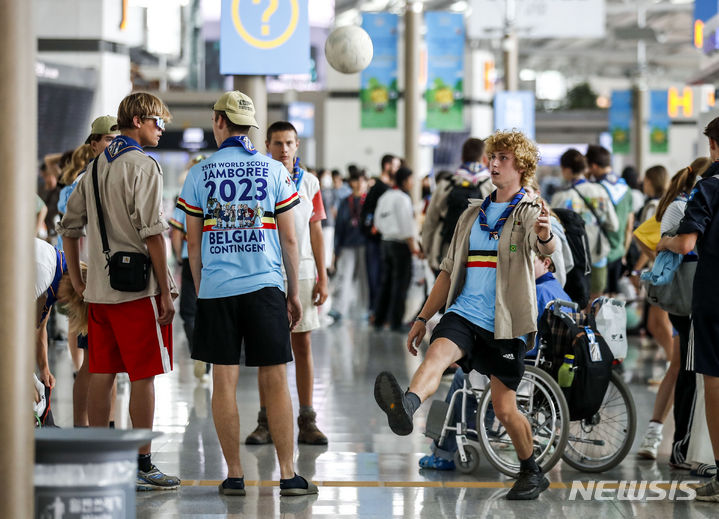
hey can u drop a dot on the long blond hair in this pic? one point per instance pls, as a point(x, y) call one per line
point(682, 182)
point(79, 160)
point(74, 306)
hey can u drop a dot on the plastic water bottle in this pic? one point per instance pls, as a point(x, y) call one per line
point(566, 372)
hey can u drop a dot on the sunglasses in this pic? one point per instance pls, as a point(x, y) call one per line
point(159, 121)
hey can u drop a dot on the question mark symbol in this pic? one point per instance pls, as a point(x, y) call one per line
point(266, 15)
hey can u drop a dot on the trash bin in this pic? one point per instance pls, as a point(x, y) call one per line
point(87, 473)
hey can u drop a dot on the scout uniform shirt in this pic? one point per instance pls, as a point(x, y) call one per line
point(238, 193)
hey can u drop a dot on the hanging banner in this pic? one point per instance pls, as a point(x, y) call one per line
point(620, 120)
point(514, 111)
point(445, 71)
point(264, 38)
point(658, 121)
point(378, 90)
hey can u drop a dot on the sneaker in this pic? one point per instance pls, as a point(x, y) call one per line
point(289, 487)
point(434, 462)
point(650, 444)
point(153, 479)
point(703, 470)
point(528, 486)
point(261, 434)
point(309, 432)
point(709, 492)
point(391, 400)
point(227, 490)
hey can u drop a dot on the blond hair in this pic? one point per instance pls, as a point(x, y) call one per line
point(79, 160)
point(74, 306)
point(526, 154)
point(140, 104)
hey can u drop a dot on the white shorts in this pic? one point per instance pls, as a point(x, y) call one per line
point(310, 314)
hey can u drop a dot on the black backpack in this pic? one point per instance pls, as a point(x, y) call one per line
point(577, 284)
point(460, 191)
point(591, 375)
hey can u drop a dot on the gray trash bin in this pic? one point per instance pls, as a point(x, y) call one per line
point(87, 473)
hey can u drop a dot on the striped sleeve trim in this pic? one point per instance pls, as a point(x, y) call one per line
point(189, 209)
point(287, 204)
point(175, 224)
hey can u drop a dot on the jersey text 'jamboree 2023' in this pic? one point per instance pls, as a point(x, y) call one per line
point(238, 193)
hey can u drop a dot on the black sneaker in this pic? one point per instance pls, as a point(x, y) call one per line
point(528, 486)
point(391, 400)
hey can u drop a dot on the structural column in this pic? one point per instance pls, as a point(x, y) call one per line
point(256, 88)
point(412, 21)
point(18, 172)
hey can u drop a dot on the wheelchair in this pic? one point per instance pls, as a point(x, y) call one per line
point(590, 445)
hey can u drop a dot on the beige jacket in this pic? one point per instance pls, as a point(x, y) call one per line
point(515, 312)
point(131, 195)
point(433, 224)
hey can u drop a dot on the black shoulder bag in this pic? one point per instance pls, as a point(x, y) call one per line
point(129, 271)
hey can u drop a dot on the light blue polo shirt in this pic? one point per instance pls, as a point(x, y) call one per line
point(238, 193)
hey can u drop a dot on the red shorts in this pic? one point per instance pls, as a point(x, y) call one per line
point(125, 337)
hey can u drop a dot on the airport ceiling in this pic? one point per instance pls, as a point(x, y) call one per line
point(668, 40)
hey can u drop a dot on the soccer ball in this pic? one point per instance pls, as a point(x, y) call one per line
point(349, 49)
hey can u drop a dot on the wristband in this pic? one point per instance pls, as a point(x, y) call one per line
point(544, 242)
point(420, 319)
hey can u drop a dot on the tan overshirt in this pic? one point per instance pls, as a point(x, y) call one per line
point(130, 190)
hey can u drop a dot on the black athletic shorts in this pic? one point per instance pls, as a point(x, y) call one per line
point(258, 318)
point(614, 274)
point(82, 341)
point(502, 358)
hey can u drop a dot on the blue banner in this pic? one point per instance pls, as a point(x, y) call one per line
point(378, 82)
point(620, 120)
point(264, 37)
point(514, 111)
point(658, 121)
point(445, 70)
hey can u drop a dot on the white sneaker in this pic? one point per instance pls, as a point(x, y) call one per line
point(650, 444)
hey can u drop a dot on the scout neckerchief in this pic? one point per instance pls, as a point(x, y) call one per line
point(60, 269)
point(297, 174)
point(614, 186)
point(355, 213)
point(240, 140)
point(119, 145)
point(494, 233)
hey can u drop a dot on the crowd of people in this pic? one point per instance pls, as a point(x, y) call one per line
point(269, 249)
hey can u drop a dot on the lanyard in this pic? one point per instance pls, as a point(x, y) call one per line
point(297, 173)
point(494, 233)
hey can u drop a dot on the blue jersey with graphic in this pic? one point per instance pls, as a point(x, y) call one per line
point(478, 297)
point(238, 193)
point(178, 222)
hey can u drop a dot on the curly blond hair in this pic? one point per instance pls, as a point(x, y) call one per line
point(75, 308)
point(526, 154)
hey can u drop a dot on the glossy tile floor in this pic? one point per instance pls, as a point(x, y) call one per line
point(365, 471)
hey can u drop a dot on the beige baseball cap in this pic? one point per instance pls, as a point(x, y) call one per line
point(104, 125)
point(238, 107)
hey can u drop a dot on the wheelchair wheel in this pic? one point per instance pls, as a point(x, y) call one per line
point(603, 442)
point(541, 400)
point(472, 454)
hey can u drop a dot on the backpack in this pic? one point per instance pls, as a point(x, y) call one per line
point(461, 191)
point(592, 371)
point(577, 284)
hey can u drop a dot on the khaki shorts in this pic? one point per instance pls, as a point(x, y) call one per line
point(310, 314)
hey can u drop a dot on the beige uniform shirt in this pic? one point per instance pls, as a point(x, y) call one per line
point(130, 188)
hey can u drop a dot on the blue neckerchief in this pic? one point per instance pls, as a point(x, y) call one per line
point(119, 145)
point(60, 269)
point(579, 182)
point(297, 173)
point(494, 233)
point(615, 186)
point(239, 140)
point(473, 167)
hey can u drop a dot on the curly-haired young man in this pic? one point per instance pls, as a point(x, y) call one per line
point(486, 281)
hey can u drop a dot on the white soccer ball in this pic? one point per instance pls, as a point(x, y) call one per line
point(349, 49)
